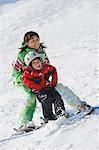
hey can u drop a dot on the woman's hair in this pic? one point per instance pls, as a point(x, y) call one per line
point(28, 36)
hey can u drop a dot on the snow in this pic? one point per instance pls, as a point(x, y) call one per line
point(69, 28)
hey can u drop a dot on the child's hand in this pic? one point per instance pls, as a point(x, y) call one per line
point(48, 84)
point(48, 76)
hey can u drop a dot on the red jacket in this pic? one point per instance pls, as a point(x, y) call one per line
point(37, 80)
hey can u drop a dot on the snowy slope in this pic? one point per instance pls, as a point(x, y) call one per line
point(69, 29)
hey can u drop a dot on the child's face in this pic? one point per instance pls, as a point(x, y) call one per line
point(34, 42)
point(37, 64)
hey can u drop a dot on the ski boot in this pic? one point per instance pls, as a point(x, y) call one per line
point(46, 119)
point(30, 126)
point(60, 112)
point(52, 117)
point(85, 108)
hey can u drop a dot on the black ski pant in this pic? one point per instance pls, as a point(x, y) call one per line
point(47, 97)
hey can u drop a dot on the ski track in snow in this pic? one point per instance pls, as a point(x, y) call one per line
point(69, 29)
point(52, 131)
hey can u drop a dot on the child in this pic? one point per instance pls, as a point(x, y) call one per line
point(31, 42)
point(37, 77)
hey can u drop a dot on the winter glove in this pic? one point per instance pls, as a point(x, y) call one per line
point(47, 76)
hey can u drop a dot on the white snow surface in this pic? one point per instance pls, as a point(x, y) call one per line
point(69, 28)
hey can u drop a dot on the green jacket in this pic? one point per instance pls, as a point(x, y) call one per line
point(20, 56)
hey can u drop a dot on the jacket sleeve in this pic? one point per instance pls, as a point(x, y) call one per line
point(35, 84)
point(46, 59)
point(54, 77)
point(52, 71)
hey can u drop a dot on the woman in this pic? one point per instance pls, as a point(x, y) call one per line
point(31, 42)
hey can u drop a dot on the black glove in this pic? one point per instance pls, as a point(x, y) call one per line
point(47, 76)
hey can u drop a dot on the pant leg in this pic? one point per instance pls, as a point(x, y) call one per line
point(47, 109)
point(28, 109)
point(45, 99)
point(57, 100)
point(69, 96)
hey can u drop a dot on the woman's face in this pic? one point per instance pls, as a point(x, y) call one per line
point(34, 42)
point(37, 64)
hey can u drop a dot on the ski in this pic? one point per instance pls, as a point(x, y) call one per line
point(72, 118)
point(89, 113)
point(20, 134)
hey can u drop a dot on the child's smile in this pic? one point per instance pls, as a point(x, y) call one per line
point(34, 42)
point(37, 64)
